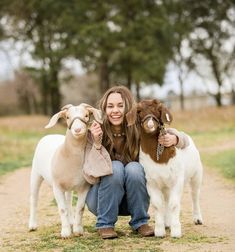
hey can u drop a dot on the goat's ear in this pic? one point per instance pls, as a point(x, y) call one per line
point(166, 116)
point(55, 118)
point(131, 116)
point(67, 106)
point(96, 112)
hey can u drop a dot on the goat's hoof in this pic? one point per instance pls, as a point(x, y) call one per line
point(176, 237)
point(31, 229)
point(198, 222)
point(176, 234)
point(160, 233)
point(77, 234)
point(64, 237)
point(78, 231)
point(65, 233)
point(161, 237)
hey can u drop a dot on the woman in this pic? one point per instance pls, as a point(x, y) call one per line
point(123, 192)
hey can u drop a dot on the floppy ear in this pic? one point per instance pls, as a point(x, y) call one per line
point(166, 116)
point(54, 119)
point(96, 112)
point(131, 116)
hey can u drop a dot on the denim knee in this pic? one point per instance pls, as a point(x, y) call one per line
point(117, 178)
point(134, 172)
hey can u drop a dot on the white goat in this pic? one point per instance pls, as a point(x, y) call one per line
point(166, 172)
point(59, 159)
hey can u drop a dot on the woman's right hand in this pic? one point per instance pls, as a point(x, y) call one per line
point(97, 134)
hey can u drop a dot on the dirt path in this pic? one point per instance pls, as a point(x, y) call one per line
point(217, 201)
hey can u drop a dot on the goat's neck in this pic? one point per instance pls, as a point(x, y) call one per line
point(73, 145)
point(149, 143)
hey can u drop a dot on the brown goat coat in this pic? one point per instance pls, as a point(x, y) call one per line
point(149, 142)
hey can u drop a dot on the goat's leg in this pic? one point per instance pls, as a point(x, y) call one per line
point(35, 183)
point(63, 211)
point(167, 210)
point(77, 225)
point(174, 210)
point(158, 203)
point(69, 203)
point(195, 184)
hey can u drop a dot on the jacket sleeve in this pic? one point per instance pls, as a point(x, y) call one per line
point(183, 139)
point(97, 163)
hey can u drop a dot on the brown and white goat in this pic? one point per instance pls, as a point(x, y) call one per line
point(58, 160)
point(166, 172)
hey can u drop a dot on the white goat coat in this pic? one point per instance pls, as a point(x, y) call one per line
point(59, 160)
point(44, 153)
point(165, 183)
point(182, 166)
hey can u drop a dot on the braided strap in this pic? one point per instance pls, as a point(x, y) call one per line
point(160, 147)
point(98, 145)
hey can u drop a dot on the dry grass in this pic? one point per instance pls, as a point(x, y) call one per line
point(21, 123)
point(208, 119)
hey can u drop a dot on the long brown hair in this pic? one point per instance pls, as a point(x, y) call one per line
point(131, 145)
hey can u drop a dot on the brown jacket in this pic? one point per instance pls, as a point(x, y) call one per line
point(98, 163)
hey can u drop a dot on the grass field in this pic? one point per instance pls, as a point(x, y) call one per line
point(210, 128)
point(18, 139)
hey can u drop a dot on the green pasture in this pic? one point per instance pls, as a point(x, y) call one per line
point(18, 139)
point(217, 149)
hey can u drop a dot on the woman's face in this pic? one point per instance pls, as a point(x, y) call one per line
point(115, 109)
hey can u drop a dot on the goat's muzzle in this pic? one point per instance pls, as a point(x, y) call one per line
point(79, 118)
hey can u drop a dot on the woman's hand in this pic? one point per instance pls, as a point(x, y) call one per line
point(96, 133)
point(168, 140)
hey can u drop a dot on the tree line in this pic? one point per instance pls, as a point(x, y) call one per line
point(129, 42)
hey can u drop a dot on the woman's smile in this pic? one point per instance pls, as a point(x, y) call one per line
point(115, 109)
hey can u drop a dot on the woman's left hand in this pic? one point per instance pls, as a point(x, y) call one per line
point(97, 133)
point(168, 140)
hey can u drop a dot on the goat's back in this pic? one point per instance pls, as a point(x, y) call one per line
point(44, 153)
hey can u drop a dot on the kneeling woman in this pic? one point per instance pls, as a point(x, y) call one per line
point(124, 191)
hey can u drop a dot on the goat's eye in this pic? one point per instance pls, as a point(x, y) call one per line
point(67, 117)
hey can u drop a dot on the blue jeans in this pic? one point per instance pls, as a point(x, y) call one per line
point(122, 193)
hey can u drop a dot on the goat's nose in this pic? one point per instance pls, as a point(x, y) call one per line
point(77, 130)
point(150, 123)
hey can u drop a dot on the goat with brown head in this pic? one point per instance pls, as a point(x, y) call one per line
point(167, 169)
point(151, 115)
